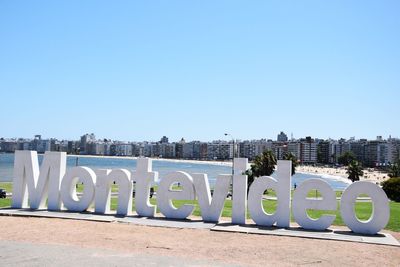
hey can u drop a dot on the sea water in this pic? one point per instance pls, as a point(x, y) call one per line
point(163, 167)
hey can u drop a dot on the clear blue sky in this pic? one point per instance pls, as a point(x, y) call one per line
point(137, 70)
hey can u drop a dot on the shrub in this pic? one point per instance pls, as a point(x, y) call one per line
point(392, 188)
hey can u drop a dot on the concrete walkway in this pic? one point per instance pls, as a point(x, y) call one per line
point(17, 253)
point(331, 234)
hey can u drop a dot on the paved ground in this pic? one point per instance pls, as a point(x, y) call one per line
point(197, 223)
point(17, 253)
point(61, 242)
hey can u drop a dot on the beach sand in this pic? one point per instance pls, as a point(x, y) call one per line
point(369, 174)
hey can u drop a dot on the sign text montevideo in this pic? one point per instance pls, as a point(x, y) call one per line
point(52, 182)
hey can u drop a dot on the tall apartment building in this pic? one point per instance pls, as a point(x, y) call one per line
point(280, 150)
point(164, 139)
point(212, 150)
point(375, 153)
point(308, 151)
point(179, 148)
point(225, 150)
point(282, 137)
point(324, 152)
point(203, 151)
point(340, 147)
point(188, 150)
point(262, 145)
point(85, 139)
point(247, 149)
point(294, 147)
point(123, 149)
point(393, 150)
point(358, 149)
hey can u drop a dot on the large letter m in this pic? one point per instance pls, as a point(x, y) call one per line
point(36, 184)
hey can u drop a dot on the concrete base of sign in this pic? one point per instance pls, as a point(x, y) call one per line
point(332, 234)
point(88, 216)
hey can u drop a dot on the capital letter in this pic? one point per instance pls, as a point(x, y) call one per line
point(39, 184)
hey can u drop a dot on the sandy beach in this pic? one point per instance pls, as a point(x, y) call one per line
point(369, 174)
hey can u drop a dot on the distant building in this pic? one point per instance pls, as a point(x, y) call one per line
point(203, 151)
point(375, 153)
point(164, 139)
point(167, 150)
point(324, 152)
point(340, 147)
point(85, 140)
point(308, 150)
point(179, 148)
point(187, 150)
point(393, 150)
point(294, 147)
point(213, 150)
point(280, 150)
point(247, 149)
point(358, 149)
point(282, 137)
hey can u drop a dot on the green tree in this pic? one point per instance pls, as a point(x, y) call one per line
point(263, 165)
point(346, 158)
point(292, 157)
point(392, 188)
point(394, 169)
point(355, 171)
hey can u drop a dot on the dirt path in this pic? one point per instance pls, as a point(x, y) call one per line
point(217, 247)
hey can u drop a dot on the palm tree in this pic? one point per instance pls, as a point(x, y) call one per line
point(355, 170)
point(292, 157)
point(264, 165)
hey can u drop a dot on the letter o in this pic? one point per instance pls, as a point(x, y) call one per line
point(380, 211)
point(68, 190)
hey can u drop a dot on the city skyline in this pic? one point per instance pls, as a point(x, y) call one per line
point(224, 137)
point(372, 153)
point(134, 71)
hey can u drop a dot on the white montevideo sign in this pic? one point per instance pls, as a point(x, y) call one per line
point(54, 183)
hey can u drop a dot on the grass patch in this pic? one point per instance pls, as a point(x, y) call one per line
point(7, 186)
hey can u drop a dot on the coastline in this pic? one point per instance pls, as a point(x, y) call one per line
point(338, 173)
point(335, 173)
point(207, 162)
